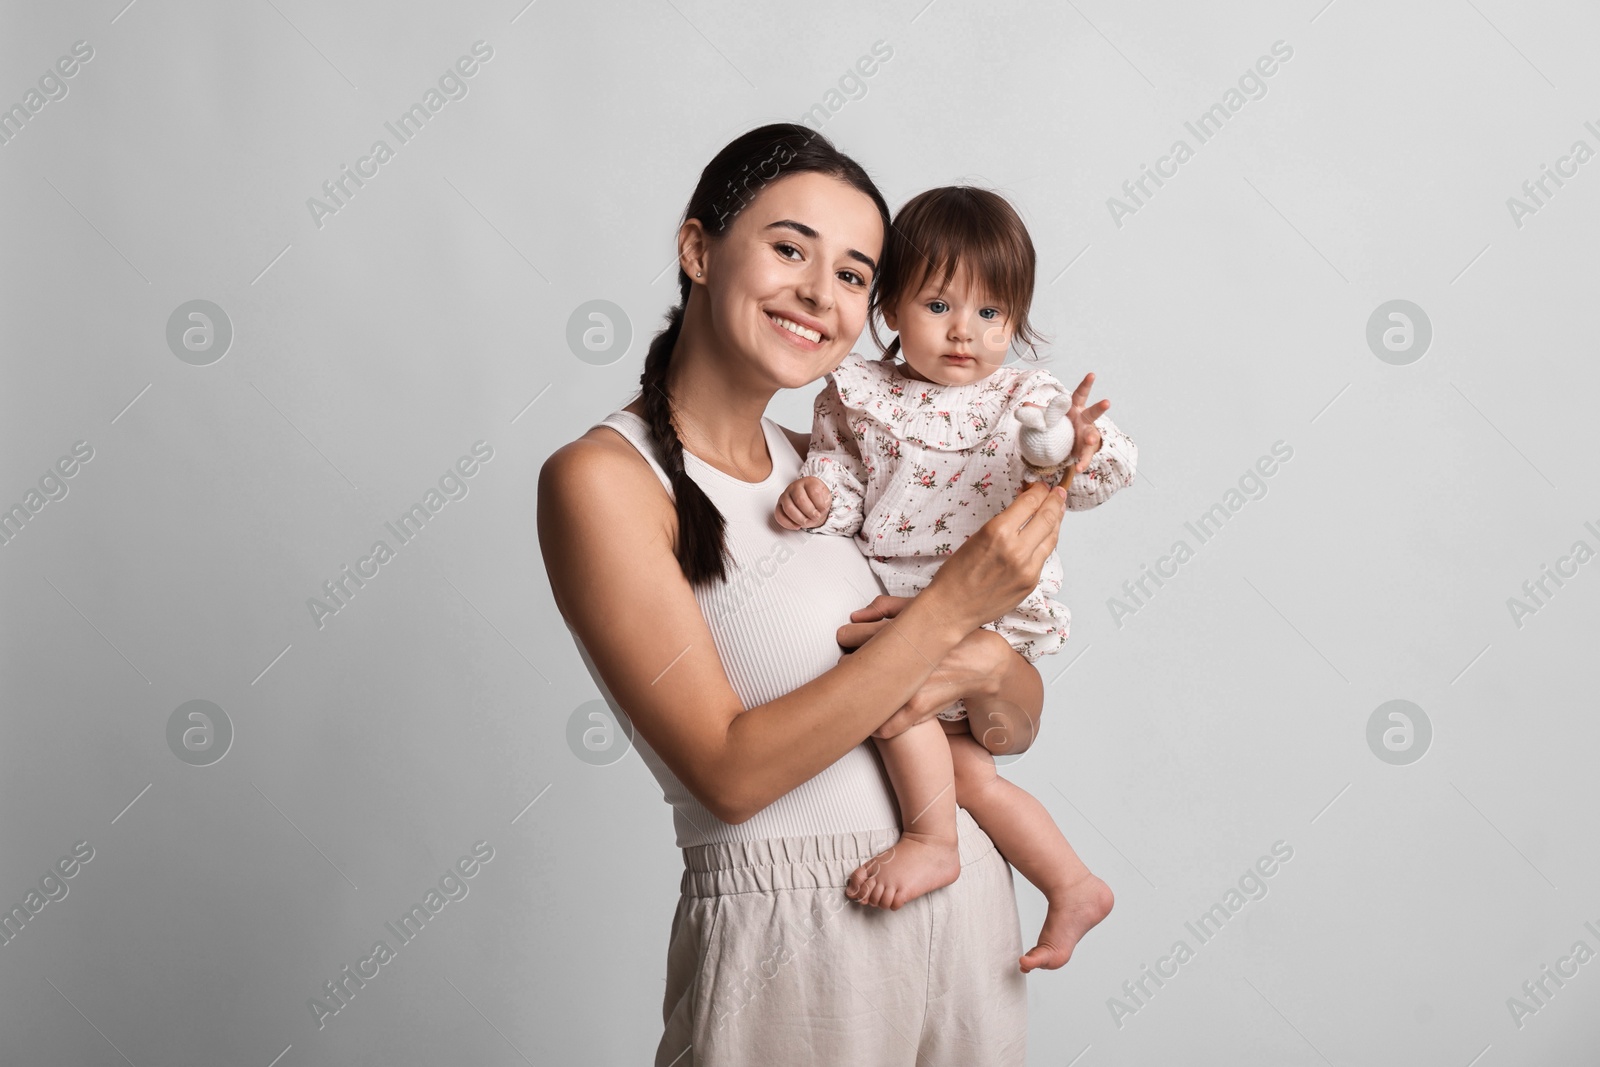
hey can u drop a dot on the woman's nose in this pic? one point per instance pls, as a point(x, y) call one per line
point(812, 286)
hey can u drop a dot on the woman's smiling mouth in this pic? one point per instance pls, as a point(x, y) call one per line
point(796, 329)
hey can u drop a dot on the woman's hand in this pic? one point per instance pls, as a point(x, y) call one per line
point(971, 669)
point(999, 564)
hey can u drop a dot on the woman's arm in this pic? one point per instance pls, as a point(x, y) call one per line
point(606, 531)
point(1003, 692)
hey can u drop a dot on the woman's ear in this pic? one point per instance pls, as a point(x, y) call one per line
point(693, 246)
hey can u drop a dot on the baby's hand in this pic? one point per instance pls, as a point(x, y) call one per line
point(804, 505)
point(1082, 417)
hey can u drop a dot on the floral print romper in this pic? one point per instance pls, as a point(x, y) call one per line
point(916, 467)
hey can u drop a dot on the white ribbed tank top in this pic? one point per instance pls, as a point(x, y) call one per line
point(773, 622)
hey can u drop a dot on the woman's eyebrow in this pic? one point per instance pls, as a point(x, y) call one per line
point(806, 231)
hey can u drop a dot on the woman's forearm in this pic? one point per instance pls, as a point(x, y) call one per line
point(1004, 717)
point(774, 747)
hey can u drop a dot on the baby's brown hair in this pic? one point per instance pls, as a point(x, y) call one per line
point(943, 228)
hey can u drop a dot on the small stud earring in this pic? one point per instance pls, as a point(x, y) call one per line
point(697, 274)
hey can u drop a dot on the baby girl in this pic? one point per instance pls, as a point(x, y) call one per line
point(910, 458)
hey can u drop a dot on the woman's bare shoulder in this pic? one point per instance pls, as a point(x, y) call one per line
point(601, 452)
point(601, 475)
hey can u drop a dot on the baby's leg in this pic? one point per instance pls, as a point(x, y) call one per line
point(926, 856)
point(1029, 839)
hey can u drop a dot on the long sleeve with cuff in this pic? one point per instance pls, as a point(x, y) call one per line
point(1111, 468)
point(835, 457)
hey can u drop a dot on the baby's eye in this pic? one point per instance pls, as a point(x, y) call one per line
point(938, 307)
point(990, 313)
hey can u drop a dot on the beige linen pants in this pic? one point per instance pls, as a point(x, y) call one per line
point(769, 964)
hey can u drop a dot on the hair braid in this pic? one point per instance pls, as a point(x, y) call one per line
point(701, 551)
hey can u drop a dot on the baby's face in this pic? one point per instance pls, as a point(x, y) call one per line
point(951, 337)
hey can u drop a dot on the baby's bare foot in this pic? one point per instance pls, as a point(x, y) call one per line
point(916, 864)
point(1074, 910)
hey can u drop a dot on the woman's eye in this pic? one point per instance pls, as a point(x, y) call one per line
point(852, 277)
point(938, 307)
point(784, 248)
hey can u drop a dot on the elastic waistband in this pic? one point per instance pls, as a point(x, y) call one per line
point(772, 863)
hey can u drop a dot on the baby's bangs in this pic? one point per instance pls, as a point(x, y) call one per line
point(936, 237)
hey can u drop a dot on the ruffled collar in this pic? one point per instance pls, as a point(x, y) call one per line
point(943, 417)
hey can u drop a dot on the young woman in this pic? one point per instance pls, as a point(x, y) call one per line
point(718, 634)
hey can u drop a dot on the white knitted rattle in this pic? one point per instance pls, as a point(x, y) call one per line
point(1046, 437)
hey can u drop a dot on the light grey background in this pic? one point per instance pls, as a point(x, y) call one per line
point(370, 353)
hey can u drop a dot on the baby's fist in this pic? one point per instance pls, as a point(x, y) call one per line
point(804, 505)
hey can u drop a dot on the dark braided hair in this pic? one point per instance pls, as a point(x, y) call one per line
point(727, 184)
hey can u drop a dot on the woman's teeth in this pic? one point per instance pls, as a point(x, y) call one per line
point(794, 327)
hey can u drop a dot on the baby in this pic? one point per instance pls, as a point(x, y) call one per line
point(910, 458)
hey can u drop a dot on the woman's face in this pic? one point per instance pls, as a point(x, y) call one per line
point(788, 280)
